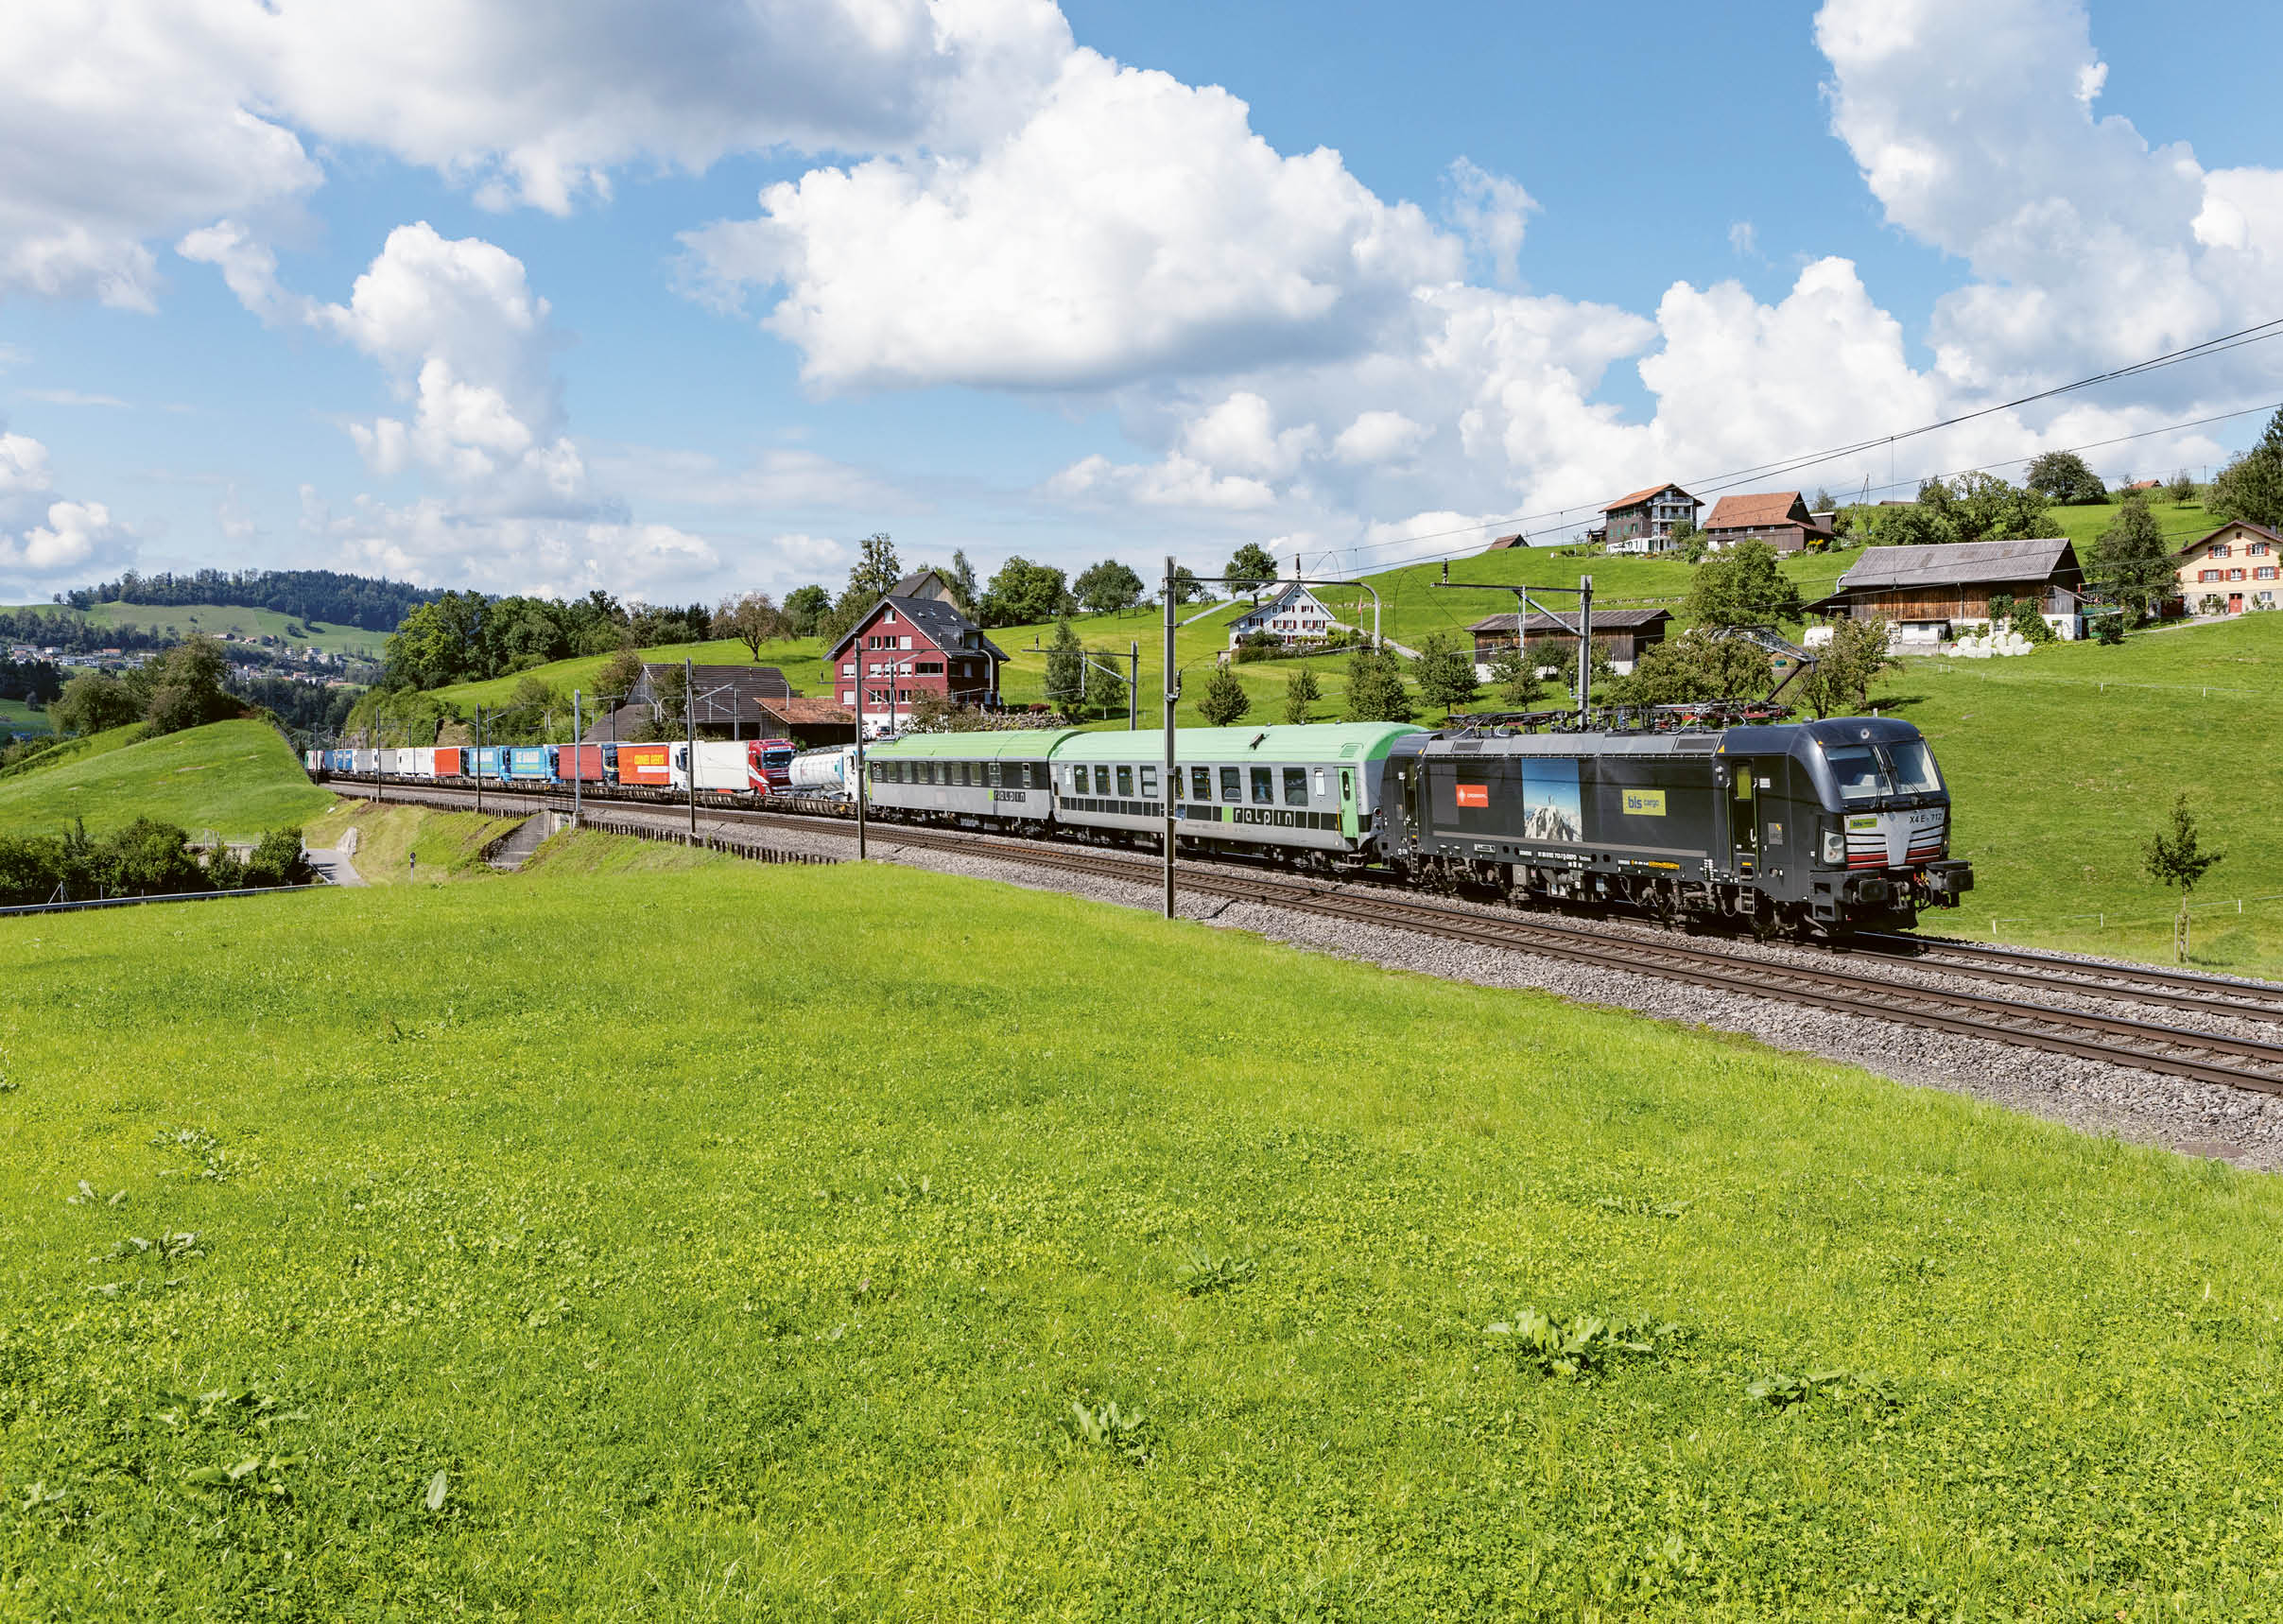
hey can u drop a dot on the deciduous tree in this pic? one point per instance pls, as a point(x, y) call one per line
point(2132, 561)
point(2251, 486)
point(1375, 690)
point(752, 618)
point(1446, 673)
point(1250, 568)
point(2174, 856)
point(1742, 585)
point(92, 701)
point(2063, 477)
point(1107, 588)
point(1514, 674)
point(1302, 692)
point(1024, 593)
point(1841, 682)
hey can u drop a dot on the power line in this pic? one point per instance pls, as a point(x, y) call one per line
point(2220, 345)
point(1868, 487)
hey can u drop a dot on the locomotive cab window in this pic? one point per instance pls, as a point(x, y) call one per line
point(1295, 786)
point(1857, 769)
point(1264, 786)
point(1913, 768)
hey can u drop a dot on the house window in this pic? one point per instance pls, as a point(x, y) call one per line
point(902, 695)
point(1125, 782)
point(903, 642)
point(1295, 786)
point(2220, 550)
point(2235, 575)
point(2265, 572)
point(848, 696)
point(1232, 784)
point(929, 667)
point(1201, 783)
point(1264, 786)
point(2207, 574)
point(2256, 550)
point(890, 617)
point(848, 667)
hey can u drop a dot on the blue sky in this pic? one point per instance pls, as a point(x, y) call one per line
point(1031, 286)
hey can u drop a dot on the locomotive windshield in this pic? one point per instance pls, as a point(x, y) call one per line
point(1869, 771)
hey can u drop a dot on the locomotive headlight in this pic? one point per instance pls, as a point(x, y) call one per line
point(1835, 848)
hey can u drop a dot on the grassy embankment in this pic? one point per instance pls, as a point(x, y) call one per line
point(183, 619)
point(450, 845)
point(758, 1278)
point(21, 716)
point(236, 778)
point(2062, 763)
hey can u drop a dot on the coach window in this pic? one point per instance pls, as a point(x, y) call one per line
point(1149, 783)
point(1264, 786)
point(1101, 781)
point(1232, 784)
point(1320, 781)
point(991, 775)
point(1201, 783)
point(1125, 782)
point(1295, 786)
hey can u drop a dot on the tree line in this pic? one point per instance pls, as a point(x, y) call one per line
point(372, 603)
point(146, 858)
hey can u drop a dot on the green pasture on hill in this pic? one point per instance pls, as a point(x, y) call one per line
point(18, 717)
point(2063, 762)
point(184, 619)
point(450, 845)
point(236, 778)
point(774, 1243)
point(800, 660)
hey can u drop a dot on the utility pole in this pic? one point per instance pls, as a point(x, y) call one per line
point(858, 790)
point(479, 760)
point(690, 712)
point(1172, 695)
point(578, 760)
point(1585, 646)
point(1134, 688)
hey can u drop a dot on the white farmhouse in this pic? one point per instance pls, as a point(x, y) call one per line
point(1293, 615)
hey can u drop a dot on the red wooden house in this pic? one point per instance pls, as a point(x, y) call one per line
point(913, 641)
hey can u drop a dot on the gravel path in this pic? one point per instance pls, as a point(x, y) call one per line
point(2203, 1120)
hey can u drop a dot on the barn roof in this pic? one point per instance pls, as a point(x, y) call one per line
point(1754, 509)
point(1959, 563)
point(1603, 620)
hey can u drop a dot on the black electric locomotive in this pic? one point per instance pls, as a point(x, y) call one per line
point(1800, 828)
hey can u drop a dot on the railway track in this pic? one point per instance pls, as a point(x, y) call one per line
point(2115, 1039)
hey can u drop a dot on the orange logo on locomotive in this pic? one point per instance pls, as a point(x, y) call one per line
point(1474, 795)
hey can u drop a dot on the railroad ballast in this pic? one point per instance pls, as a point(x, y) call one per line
point(1800, 828)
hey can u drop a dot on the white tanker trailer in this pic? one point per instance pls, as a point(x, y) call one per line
point(824, 773)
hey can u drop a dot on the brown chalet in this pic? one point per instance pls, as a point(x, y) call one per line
point(913, 641)
point(1926, 591)
point(1621, 634)
point(1780, 518)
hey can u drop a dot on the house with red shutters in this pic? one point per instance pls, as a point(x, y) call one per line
point(914, 641)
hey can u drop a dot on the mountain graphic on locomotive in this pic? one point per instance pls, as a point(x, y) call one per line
point(1808, 829)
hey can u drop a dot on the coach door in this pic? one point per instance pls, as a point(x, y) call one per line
point(1744, 817)
point(1348, 824)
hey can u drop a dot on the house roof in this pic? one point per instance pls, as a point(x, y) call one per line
point(1633, 499)
point(938, 617)
point(921, 583)
point(1504, 542)
point(799, 712)
point(1756, 509)
point(1959, 563)
point(724, 694)
point(1603, 620)
point(2231, 525)
point(1284, 595)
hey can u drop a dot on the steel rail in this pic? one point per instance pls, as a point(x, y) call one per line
point(2153, 981)
point(2147, 1045)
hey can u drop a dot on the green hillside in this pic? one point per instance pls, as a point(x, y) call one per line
point(800, 660)
point(183, 619)
point(16, 715)
point(476, 1285)
point(2061, 764)
point(236, 778)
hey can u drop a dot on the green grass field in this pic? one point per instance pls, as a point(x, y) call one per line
point(800, 660)
point(216, 618)
point(2062, 763)
point(18, 717)
point(736, 1244)
point(236, 778)
point(450, 845)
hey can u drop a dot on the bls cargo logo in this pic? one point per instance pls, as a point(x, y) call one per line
point(1474, 795)
point(1643, 804)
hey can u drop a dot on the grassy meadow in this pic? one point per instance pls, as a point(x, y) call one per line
point(236, 778)
point(450, 845)
point(774, 1243)
point(20, 716)
point(183, 619)
point(2061, 764)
